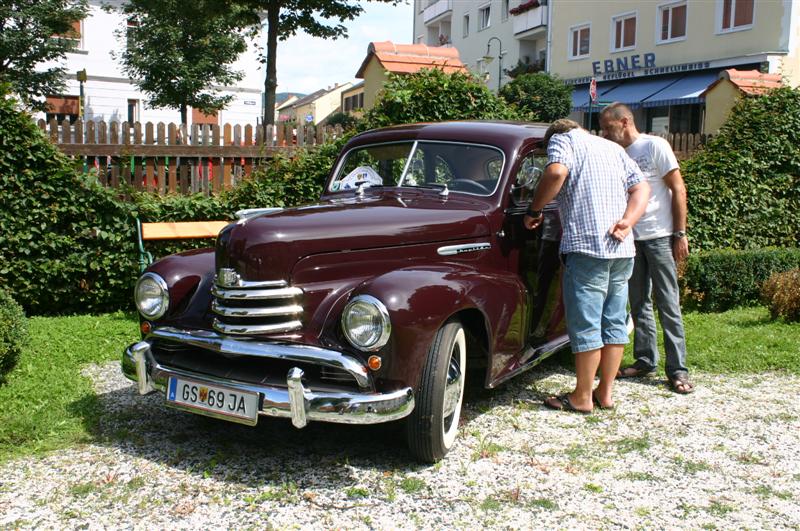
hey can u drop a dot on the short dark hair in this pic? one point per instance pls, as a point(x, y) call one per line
point(564, 125)
point(617, 111)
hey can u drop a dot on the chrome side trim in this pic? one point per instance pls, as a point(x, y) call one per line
point(263, 349)
point(255, 294)
point(295, 401)
point(249, 284)
point(247, 329)
point(229, 311)
point(450, 250)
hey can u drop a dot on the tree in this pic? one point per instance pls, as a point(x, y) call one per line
point(431, 95)
point(284, 18)
point(546, 97)
point(34, 32)
point(179, 51)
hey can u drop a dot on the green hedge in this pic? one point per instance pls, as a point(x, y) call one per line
point(723, 279)
point(744, 186)
point(13, 333)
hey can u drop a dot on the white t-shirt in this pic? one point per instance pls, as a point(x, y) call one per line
point(655, 158)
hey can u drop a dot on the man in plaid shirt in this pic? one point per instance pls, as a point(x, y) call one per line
point(601, 195)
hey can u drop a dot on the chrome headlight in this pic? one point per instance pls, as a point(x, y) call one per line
point(365, 322)
point(151, 296)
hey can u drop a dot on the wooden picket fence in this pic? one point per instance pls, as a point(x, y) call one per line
point(683, 144)
point(170, 158)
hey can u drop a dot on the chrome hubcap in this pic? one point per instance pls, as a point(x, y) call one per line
point(453, 387)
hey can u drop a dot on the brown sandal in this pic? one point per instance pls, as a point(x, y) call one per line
point(634, 371)
point(680, 383)
point(563, 403)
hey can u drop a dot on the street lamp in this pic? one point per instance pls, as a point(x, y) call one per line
point(500, 53)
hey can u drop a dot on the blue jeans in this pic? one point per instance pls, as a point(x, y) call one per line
point(595, 299)
point(655, 270)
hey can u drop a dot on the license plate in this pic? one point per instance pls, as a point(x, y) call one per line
point(213, 400)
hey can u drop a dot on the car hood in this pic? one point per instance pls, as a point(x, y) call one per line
point(267, 247)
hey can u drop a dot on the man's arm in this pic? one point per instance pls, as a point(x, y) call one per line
point(674, 181)
point(638, 194)
point(550, 184)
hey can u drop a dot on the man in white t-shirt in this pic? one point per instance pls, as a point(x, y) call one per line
point(661, 243)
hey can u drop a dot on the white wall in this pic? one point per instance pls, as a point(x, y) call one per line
point(107, 90)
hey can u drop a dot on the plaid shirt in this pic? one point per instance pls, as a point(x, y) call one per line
point(595, 194)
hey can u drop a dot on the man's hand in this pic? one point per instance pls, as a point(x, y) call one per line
point(620, 230)
point(680, 249)
point(531, 222)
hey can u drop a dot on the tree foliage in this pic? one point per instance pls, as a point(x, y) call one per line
point(431, 95)
point(177, 51)
point(545, 97)
point(744, 187)
point(32, 33)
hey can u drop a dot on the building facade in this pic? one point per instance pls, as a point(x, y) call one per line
point(110, 96)
point(490, 35)
point(317, 106)
point(656, 56)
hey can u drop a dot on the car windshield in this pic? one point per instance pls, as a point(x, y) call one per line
point(469, 168)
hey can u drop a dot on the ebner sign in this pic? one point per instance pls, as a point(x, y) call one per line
point(633, 66)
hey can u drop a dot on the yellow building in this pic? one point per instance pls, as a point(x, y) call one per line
point(659, 57)
point(384, 57)
point(733, 84)
point(317, 106)
point(353, 100)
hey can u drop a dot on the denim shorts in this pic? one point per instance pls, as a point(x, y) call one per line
point(596, 300)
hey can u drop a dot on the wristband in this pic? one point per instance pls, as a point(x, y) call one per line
point(533, 213)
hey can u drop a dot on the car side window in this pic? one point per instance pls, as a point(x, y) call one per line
point(528, 176)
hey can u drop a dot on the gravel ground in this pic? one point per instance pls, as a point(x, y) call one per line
point(727, 456)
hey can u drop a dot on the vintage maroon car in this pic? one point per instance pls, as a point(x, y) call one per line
point(370, 305)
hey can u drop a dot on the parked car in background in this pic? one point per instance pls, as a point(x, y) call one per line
point(370, 305)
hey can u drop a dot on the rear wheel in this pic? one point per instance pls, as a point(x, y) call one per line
point(432, 427)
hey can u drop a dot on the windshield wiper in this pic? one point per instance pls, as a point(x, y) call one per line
point(445, 191)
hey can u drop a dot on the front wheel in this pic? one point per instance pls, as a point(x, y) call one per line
point(432, 427)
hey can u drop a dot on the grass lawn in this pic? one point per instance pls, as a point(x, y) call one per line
point(47, 404)
point(743, 340)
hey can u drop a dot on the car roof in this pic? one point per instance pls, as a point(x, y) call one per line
point(507, 135)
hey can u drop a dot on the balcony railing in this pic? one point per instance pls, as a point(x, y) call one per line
point(531, 19)
point(437, 9)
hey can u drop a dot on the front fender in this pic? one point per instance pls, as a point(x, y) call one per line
point(421, 299)
point(189, 276)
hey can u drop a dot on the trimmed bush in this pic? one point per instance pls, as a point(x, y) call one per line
point(724, 279)
point(13, 333)
point(744, 187)
point(66, 243)
point(781, 294)
point(430, 95)
point(545, 97)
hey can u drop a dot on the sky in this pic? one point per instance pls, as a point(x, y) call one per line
point(307, 64)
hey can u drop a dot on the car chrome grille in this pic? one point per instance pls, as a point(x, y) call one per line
point(254, 307)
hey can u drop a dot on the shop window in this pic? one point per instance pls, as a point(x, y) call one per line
point(672, 22)
point(579, 42)
point(484, 17)
point(736, 14)
point(623, 31)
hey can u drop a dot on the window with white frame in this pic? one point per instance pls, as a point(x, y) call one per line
point(623, 32)
point(465, 33)
point(735, 15)
point(672, 22)
point(504, 10)
point(484, 19)
point(579, 41)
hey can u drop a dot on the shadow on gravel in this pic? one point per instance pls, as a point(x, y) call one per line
point(274, 453)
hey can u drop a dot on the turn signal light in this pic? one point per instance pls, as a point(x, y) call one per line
point(145, 327)
point(374, 362)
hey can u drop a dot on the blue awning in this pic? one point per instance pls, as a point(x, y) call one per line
point(633, 92)
point(580, 95)
point(685, 91)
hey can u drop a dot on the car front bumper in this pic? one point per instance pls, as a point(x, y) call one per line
point(295, 401)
